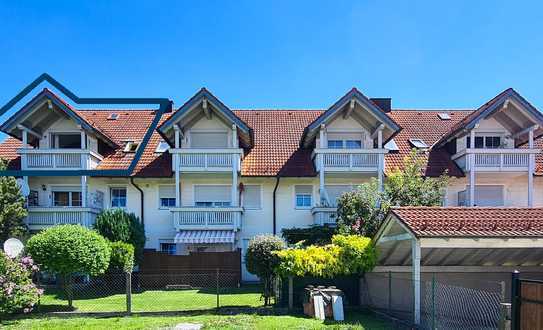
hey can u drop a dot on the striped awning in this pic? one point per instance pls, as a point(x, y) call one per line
point(205, 236)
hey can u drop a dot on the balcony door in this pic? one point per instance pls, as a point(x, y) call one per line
point(217, 140)
point(212, 195)
point(66, 140)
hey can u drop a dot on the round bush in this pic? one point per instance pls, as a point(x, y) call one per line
point(117, 225)
point(70, 249)
point(122, 257)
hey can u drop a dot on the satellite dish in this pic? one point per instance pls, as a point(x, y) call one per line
point(13, 247)
point(23, 185)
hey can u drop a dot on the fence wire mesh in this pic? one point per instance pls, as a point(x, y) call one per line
point(159, 292)
point(473, 305)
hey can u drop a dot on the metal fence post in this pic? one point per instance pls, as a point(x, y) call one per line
point(217, 282)
point(434, 301)
point(515, 300)
point(290, 293)
point(128, 292)
point(389, 291)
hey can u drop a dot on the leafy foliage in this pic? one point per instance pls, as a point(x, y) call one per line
point(12, 207)
point(314, 235)
point(347, 255)
point(122, 257)
point(261, 260)
point(363, 210)
point(118, 225)
point(70, 249)
point(17, 292)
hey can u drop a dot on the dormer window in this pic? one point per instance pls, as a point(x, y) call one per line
point(418, 143)
point(162, 146)
point(113, 116)
point(66, 140)
point(130, 146)
point(485, 142)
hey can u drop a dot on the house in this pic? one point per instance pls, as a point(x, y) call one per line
point(204, 177)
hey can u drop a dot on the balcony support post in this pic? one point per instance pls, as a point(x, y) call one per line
point(531, 165)
point(381, 168)
point(175, 161)
point(235, 162)
point(471, 160)
point(235, 143)
point(24, 156)
point(84, 191)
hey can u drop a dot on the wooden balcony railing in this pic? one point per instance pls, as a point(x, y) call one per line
point(359, 160)
point(186, 218)
point(44, 217)
point(202, 160)
point(58, 159)
point(495, 159)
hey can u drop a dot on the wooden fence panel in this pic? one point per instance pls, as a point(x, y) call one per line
point(531, 307)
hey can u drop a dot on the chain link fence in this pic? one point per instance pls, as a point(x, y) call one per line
point(475, 305)
point(192, 290)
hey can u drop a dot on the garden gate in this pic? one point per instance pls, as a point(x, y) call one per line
point(527, 303)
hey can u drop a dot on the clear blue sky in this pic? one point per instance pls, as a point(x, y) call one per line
point(277, 53)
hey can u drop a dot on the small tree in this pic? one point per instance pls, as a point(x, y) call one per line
point(363, 210)
point(119, 226)
point(69, 249)
point(261, 261)
point(12, 207)
point(122, 257)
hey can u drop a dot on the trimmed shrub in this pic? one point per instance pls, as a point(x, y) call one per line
point(122, 257)
point(17, 292)
point(347, 255)
point(118, 225)
point(314, 235)
point(261, 260)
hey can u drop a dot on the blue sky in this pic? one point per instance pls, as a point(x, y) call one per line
point(277, 54)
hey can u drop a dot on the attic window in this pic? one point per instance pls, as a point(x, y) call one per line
point(444, 116)
point(418, 143)
point(113, 116)
point(162, 146)
point(130, 146)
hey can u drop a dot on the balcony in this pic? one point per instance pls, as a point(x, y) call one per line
point(58, 159)
point(324, 215)
point(194, 218)
point(495, 160)
point(349, 160)
point(43, 217)
point(207, 160)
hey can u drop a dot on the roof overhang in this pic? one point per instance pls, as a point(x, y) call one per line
point(362, 109)
point(204, 103)
point(41, 112)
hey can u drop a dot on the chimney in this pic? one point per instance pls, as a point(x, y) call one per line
point(384, 103)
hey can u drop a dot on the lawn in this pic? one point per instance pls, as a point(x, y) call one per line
point(355, 320)
point(155, 300)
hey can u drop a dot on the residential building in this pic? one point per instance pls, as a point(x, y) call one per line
point(203, 177)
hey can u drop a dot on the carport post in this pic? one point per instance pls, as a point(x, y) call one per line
point(515, 301)
point(415, 257)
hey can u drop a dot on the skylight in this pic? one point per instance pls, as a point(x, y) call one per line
point(444, 116)
point(418, 143)
point(162, 146)
point(391, 145)
point(130, 146)
point(113, 116)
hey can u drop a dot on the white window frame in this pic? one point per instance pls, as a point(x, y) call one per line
point(51, 136)
point(486, 135)
point(111, 188)
point(261, 197)
point(294, 197)
point(169, 243)
point(52, 189)
point(159, 198)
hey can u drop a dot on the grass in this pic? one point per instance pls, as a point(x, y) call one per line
point(156, 300)
point(354, 320)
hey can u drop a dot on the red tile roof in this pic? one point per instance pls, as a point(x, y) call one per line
point(8, 152)
point(471, 221)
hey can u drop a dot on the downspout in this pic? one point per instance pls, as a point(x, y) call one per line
point(141, 199)
point(277, 178)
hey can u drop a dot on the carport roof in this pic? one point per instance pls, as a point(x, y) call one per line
point(471, 222)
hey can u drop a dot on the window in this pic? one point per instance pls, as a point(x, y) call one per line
point(212, 195)
point(162, 146)
point(444, 116)
point(118, 197)
point(130, 146)
point(113, 116)
point(166, 196)
point(335, 191)
point(354, 144)
point(209, 139)
point(251, 196)
point(66, 140)
point(485, 195)
point(487, 142)
point(66, 198)
point(418, 143)
point(33, 198)
point(168, 248)
point(335, 144)
point(304, 196)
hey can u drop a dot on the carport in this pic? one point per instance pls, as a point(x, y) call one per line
point(476, 241)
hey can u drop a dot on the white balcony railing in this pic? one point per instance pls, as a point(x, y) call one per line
point(187, 218)
point(324, 215)
point(58, 159)
point(213, 160)
point(360, 160)
point(495, 159)
point(44, 217)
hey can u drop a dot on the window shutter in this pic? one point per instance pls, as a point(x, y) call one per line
point(212, 193)
point(251, 196)
point(166, 191)
point(305, 189)
point(66, 188)
point(209, 139)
